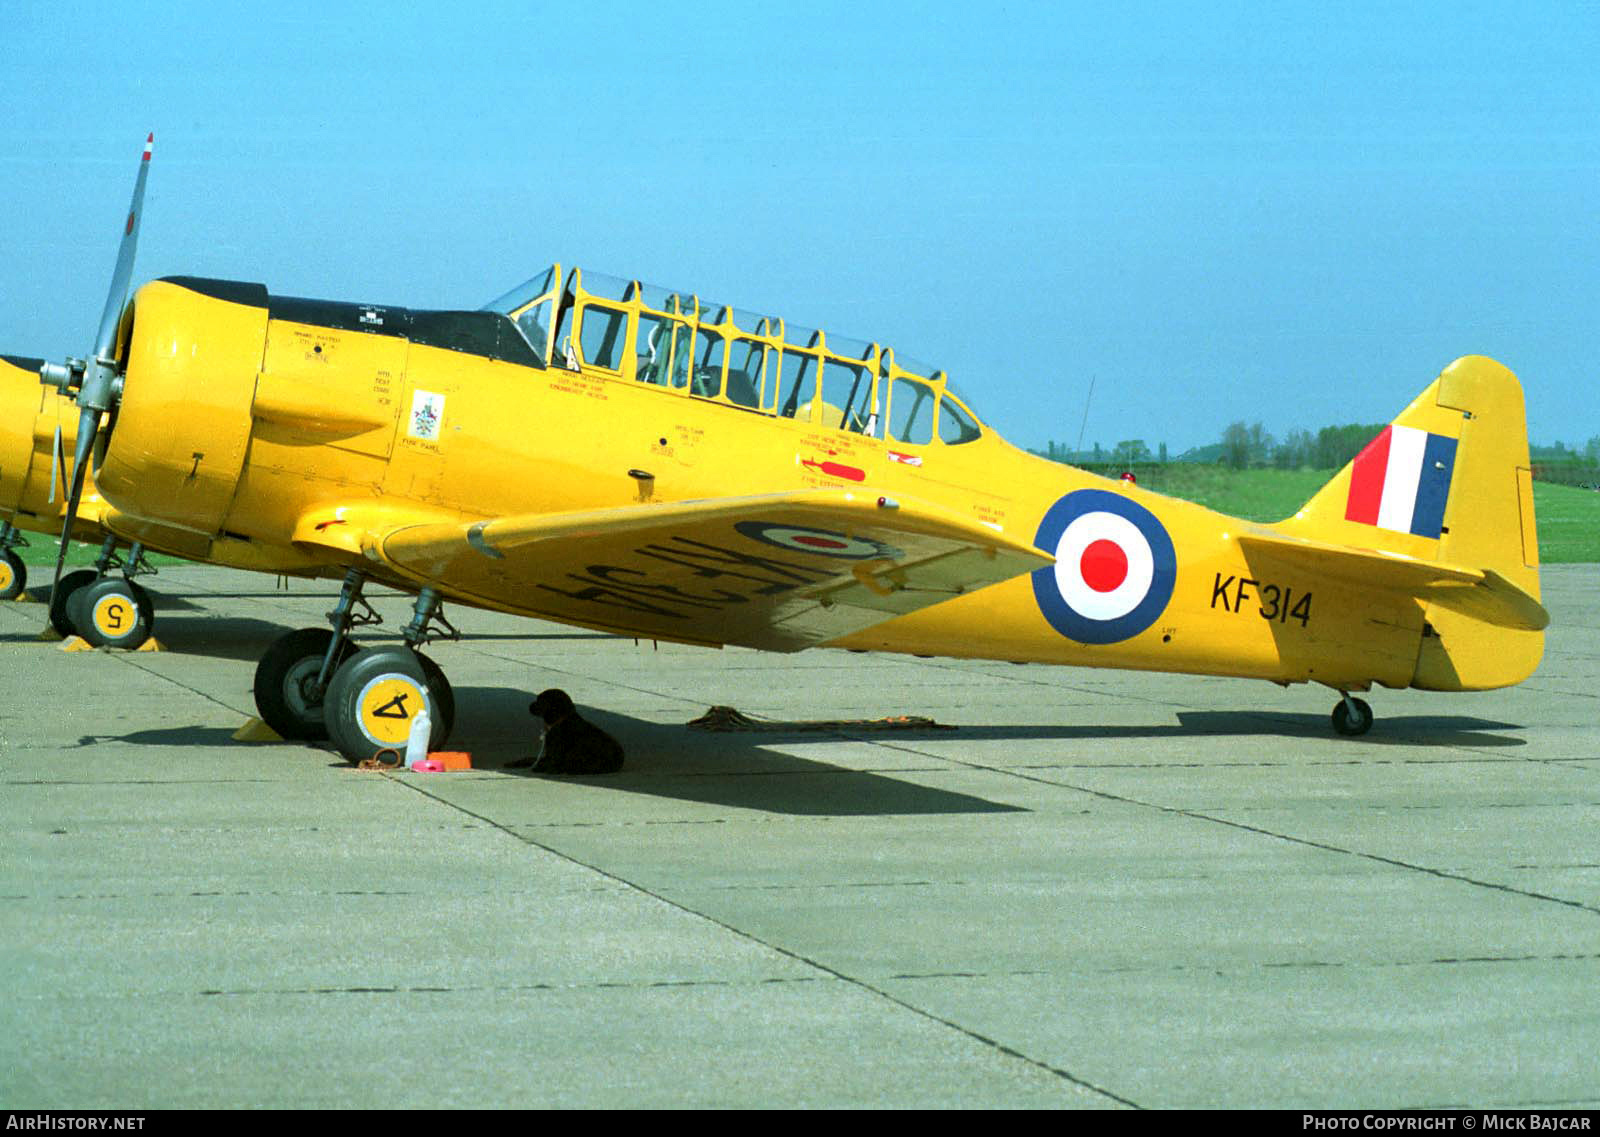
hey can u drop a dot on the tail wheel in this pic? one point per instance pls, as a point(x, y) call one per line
point(285, 684)
point(13, 575)
point(115, 613)
point(1350, 722)
point(66, 588)
point(373, 699)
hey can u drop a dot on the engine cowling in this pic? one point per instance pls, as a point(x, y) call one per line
point(182, 428)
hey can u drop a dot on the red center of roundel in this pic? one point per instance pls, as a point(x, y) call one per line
point(820, 542)
point(1104, 566)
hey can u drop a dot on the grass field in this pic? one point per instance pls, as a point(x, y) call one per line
point(1569, 518)
point(1569, 523)
point(41, 553)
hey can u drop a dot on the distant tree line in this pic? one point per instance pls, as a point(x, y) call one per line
point(1246, 446)
point(1558, 463)
point(1130, 452)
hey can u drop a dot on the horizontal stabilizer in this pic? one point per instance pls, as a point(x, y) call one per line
point(1482, 594)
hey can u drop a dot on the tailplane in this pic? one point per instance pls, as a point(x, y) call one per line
point(1440, 507)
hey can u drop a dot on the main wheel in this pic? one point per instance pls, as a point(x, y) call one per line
point(373, 698)
point(285, 686)
point(114, 612)
point(1350, 724)
point(68, 587)
point(13, 575)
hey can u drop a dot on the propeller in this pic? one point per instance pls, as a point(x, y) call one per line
point(96, 381)
point(55, 463)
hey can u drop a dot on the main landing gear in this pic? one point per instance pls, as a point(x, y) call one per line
point(314, 684)
point(106, 610)
point(13, 573)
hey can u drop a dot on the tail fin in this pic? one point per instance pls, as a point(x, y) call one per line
point(1449, 482)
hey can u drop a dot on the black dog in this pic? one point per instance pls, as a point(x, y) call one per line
point(572, 744)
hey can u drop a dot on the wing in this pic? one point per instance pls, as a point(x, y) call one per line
point(779, 572)
point(1482, 594)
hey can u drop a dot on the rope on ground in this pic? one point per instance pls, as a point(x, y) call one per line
point(377, 762)
point(731, 718)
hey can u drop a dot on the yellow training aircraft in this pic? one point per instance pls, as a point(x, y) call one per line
point(37, 430)
point(610, 454)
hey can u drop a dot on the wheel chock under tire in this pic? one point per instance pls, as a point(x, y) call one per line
point(78, 643)
point(256, 731)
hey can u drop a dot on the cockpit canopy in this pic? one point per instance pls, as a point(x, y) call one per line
point(630, 330)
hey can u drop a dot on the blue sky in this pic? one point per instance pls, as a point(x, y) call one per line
point(1284, 213)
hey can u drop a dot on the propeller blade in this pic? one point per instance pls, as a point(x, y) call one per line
point(97, 390)
point(88, 427)
point(55, 464)
point(105, 340)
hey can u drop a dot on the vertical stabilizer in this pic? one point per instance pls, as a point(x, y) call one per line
point(1449, 480)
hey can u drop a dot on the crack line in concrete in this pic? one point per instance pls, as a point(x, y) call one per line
point(854, 981)
point(1306, 841)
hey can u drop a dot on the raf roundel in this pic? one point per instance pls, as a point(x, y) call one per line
point(823, 542)
point(1114, 571)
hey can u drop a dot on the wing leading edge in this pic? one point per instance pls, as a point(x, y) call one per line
point(780, 572)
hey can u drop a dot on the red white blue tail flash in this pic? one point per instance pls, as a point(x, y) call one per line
point(1114, 572)
point(1401, 481)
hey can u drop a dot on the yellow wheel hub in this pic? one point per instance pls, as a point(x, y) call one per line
point(387, 705)
point(114, 615)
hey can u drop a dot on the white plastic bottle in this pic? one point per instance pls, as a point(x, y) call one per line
point(417, 740)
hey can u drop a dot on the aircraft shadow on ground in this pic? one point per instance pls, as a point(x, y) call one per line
point(217, 637)
point(167, 737)
point(740, 769)
point(670, 760)
point(664, 760)
point(1397, 730)
point(166, 602)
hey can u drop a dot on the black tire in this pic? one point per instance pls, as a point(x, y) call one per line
point(13, 575)
point(283, 680)
point(372, 700)
point(68, 587)
point(74, 606)
point(1352, 725)
point(444, 697)
point(114, 612)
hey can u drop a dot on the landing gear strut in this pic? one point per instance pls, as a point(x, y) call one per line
point(315, 684)
point(292, 678)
